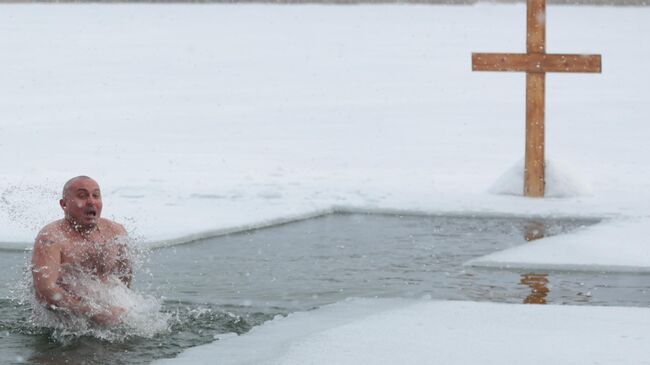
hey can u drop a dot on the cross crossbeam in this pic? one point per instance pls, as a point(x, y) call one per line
point(536, 62)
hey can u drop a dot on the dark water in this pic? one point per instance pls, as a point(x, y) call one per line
point(235, 282)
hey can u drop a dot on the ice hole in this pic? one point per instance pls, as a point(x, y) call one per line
point(232, 283)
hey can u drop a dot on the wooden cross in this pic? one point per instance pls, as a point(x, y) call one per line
point(536, 62)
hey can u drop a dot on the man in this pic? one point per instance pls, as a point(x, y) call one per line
point(79, 249)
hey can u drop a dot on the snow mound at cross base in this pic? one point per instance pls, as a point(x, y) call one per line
point(562, 181)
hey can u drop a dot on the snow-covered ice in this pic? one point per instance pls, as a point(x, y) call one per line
point(432, 332)
point(609, 246)
point(203, 119)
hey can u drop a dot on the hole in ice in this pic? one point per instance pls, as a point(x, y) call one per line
point(229, 284)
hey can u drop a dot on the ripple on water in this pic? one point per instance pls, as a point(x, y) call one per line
point(189, 324)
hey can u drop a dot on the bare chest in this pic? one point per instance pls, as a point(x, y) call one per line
point(93, 257)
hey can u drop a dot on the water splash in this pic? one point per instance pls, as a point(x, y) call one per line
point(23, 205)
point(143, 317)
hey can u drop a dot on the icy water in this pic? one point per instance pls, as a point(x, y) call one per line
point(232, 283)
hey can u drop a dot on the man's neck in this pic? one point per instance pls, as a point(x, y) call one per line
point(83, 230)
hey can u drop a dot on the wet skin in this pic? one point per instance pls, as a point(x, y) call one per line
point(84, 244)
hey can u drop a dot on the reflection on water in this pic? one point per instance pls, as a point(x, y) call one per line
point(538, 285)
point(533, 230)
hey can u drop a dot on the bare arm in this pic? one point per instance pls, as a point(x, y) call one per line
point(46, 270)
point(46, 266)
point(123, 266)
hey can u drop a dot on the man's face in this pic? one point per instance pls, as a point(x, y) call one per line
point(82, 202)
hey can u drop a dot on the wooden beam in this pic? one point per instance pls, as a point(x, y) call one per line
point(536, 26)
point(534, 179)
point(522, 62)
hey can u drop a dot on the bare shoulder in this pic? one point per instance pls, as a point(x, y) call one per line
point(48, 243)
point(114, 228)
point(51, 233)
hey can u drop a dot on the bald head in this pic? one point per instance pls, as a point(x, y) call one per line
point(70, 183)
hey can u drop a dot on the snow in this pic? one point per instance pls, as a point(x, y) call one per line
point(586, 250)
point(432, 332)
point(199, 120)
point(560, 181)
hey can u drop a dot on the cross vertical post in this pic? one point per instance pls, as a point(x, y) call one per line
point(534, 179)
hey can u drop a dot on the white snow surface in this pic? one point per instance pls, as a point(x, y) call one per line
point(203, 119)
point(431, 332)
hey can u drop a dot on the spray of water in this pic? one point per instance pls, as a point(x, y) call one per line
point(142, 317)
point(23, 205)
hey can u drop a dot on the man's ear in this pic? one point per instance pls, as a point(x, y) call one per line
point(62, 204)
